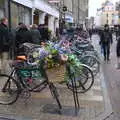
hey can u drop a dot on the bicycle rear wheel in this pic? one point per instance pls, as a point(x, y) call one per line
point(8, 90)
point(84, 80)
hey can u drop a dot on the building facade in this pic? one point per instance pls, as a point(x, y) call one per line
point(107, 14)
point(30, 12)
point(44, 12)
point(80, 11)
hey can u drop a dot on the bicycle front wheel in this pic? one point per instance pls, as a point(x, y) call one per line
point(83, 78)
point(8, 90)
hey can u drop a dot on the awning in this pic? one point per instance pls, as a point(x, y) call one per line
point(27, 3)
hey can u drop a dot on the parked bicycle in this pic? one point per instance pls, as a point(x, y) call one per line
point(33, 78)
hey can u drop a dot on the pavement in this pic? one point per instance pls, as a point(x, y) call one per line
point(94, 104)
point(112, 80)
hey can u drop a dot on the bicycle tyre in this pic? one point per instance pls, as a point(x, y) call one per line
point(7, 90)
point(80, 87)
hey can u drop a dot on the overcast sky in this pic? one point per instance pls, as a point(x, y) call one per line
point(94, 4)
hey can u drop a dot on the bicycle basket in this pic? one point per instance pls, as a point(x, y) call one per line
point(56, 74)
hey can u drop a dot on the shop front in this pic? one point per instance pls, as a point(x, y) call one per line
point(46, 15)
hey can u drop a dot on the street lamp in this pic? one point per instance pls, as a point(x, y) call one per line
point(62, 10)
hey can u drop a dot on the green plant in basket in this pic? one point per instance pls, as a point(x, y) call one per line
point(74, 66)
point(52, 60)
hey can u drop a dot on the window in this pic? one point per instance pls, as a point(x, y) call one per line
point(20, 13)
point(27, 16)
point(14, 15)
point(2, 8)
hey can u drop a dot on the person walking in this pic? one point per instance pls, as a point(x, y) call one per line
point(36, 37)
point(105, 41)
point(118, 52)
point(43, 29)
point(100, 31)
point(90, 33)
point(118, 48)
point(19, 25)
point(116, 31)
point(4, 44)
point(22, 35)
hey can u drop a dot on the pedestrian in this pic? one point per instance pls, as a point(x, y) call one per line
point(4, 44)
point(90, 33)
point(118, 49)
point(105, 41)
point(43, 29)
point(46, 33)
point(19, 26)
point(36, 37)
point(100, 36)
point(23, 35)
point(118, 52)
point(117, 31)
point(57, 33)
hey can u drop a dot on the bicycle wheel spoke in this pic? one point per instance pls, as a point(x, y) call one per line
point(85, 81)
point(83, 87)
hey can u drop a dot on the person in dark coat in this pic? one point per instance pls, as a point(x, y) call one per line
point(4, 43)
point(118, 52)
point(90, 33)
point(23, 35)
point(118, 49)
point(36, 37)
point(19, 26)
point(43, 29)
point(106, 41)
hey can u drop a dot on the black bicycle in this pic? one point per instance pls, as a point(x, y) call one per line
point(22, 79)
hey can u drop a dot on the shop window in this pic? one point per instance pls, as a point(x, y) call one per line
point(27, 16)
point(1, 13)
point(1, 3)
point(1, 8)
point(14, 15)
point(20, 13)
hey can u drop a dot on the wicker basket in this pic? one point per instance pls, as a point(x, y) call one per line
point(56, 75)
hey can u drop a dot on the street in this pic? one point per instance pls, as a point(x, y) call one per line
point(111, 78)
point(94, 104)
point(112, 75)
point(42, 40)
